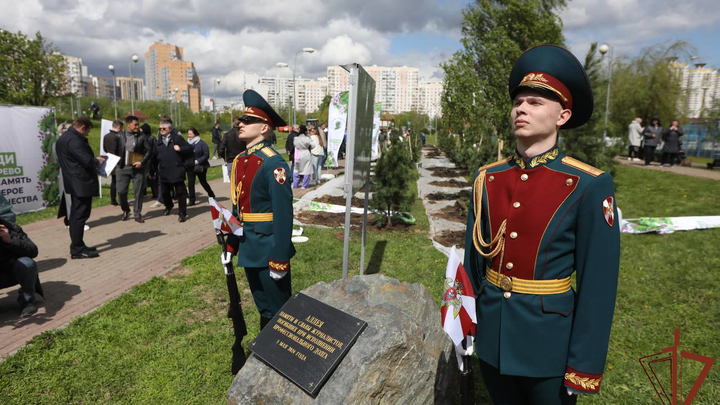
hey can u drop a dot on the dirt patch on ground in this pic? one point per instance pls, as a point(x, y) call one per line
point(456, 213)
point(340, 200)
point(178, 272)
point(336, 220)
point(443, 172)
point(449, 183)
point(432, 152)
point(463, 194)
point(449, 238)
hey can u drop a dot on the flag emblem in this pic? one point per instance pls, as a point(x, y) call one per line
point(452, 298)
point(280, 175)
point(609, 211)
point(223, 219)
point(458, 310)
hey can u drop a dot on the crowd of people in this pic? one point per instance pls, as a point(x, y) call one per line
point(165, 163)
point(306, 147)
point(644, 141)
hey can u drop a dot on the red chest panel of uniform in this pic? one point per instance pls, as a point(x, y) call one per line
point(528, 200)
point(246, 167)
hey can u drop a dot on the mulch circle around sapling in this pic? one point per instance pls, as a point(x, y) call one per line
point(450, 183)
point(449, 238)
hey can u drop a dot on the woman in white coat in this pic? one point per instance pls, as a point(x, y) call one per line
point(318, 153)
point(303, 158)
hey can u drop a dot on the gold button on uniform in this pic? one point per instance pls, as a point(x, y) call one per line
point(513, 235)
point(569, 182)
point(507, 294)
point(516, 205)
point(524, 177)
point(491, 179)
point(509, 265)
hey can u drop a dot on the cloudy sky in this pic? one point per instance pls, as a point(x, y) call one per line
point(227, 38)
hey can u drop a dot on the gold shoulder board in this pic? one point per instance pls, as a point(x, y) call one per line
point(268, 152)
point(572, 162)
point(498, 163)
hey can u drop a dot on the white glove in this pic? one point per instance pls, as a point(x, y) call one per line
point(573, 392)
point(225, 259)
point(460, 352)
point(277, 275)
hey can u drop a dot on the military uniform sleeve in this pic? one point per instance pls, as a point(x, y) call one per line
point(474, 263)
point(281, 196)
point(597, 261)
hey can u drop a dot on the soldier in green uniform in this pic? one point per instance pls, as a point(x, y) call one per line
point(262, 202)
point(537, 217)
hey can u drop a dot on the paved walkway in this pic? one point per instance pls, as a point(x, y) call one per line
point(433, 208)
point(130, 254)
point(686, 171)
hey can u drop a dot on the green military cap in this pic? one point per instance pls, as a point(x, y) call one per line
point(553, 70)
point(257, 109)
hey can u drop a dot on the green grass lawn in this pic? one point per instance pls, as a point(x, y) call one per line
point(168, 341)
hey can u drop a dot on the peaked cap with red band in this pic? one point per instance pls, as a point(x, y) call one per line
point(258, 109)
point(553, 70)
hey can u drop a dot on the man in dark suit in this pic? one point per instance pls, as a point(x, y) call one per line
point(109, 146)
point(79, 171)
point(171, 153)
point(129, 143)
point(232, 145)
point(216, 140)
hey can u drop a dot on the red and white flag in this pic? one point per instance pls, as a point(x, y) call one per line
point(223, 219)
point(458, 310)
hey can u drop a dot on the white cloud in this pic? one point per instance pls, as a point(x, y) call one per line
point(632, 24)
point(227, 38)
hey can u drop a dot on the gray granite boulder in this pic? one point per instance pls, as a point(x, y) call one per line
point(402, 357)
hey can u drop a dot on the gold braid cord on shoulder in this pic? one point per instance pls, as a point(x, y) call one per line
point(234, 188)
point(499, 239)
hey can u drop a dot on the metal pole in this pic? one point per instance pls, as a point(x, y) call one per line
point(294, 121)
point(132, 102)
point(607, 98)
point(115, 93)
point(349, 164)
point(214, 100)
point(179, 113)
point(72, 107)
point(364, 227)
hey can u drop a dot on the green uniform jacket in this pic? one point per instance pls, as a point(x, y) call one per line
point(260, 185)
point(560, 218)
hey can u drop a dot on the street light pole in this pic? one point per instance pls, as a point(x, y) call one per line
point(135, 59)
point(603, 49)
point(177, 106)
point(306, 50)
point(285, 65)
point(112, 70)
point(217, 81)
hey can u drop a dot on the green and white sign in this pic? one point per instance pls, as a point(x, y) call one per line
point(28, 174)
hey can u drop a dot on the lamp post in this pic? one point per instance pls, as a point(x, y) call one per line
point(112, 70)
point(217, 81)
point(173, 115)
point(134, 58)
point(603, 50)
point(177, 107)
point(306, 50)
point(285, 65)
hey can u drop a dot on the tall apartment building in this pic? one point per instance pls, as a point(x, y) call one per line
point(131, 87)
point(104, 88)
point(701, 84)
point(429, 101)
point(397, 88)
point(75, 72)
point(311, 94)
point(166, 70)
